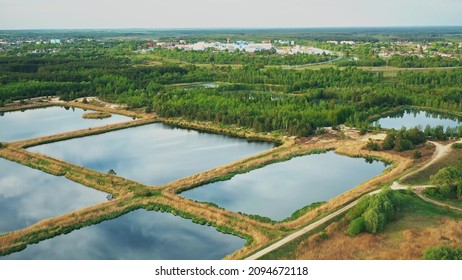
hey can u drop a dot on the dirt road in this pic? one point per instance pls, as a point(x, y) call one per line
point(299, 233)
point(440, 152)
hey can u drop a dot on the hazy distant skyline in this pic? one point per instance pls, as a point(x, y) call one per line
point(83, 14)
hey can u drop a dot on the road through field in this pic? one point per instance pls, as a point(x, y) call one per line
point(440, 152)
point(301, 232)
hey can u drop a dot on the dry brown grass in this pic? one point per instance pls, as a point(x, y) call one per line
point(19, 106)
point(407, 244)
point(81, 133)
point(96, 115)
point(48, 228)
point(111, 184)
point(119, 111)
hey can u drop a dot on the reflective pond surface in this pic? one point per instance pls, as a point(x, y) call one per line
point(153, 154)
point(411, 118)
point(277, 190)
point(136, 235)
point(34, 123)
point(28, 196)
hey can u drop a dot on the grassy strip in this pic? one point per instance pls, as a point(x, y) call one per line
point(20, 107)
point(83, 133)
point(197, 220)
point(96, 115)
point(94, 179)
point(230, 175)
point(295, 215)
point(226, 130)
point(50, 232)
point(43, 234)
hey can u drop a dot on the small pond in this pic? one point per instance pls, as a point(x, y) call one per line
point(137, 235)
point(28, 196)
point(153, 154)
point(277, 190)
point(32, 123)
point(412, 118)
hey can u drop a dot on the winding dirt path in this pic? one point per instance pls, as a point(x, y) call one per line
point(418, 192)
point(440, 152)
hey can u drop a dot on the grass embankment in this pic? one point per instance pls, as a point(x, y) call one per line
point(226, 130)
point(101, 108)
point(20, 107)
point(81, 133)
point(418, 226)
point(96, 115)
point(114, 185)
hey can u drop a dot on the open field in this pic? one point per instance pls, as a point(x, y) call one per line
point(420, 225)
point(453, 157)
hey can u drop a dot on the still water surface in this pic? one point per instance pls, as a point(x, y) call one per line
point(137, 235)
point(277, 190)
point(28, 196)
point(153, 154)
point(411, 118)
point(18, 125)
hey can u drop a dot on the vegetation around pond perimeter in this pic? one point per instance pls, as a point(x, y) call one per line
point(130, 195)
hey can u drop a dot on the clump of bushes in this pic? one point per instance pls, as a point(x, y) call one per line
point(443, 253)
point(448, 182)
point(457, 146)
point(372, 212)
point(403, 139)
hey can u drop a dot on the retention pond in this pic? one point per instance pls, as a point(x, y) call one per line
point(413, 118)
point(153, 154)
point(32, 123)
point(277, 190)
point(28, 196)
point(137, 235)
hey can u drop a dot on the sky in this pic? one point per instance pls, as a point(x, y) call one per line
point(96, 14)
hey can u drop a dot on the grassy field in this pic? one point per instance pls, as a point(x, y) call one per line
point(420, 225)
point(454, 158)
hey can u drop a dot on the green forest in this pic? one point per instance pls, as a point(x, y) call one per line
point(294, 102)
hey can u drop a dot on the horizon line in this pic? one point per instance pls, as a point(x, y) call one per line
point(227, 28)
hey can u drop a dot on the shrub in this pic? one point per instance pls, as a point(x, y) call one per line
point(356, 226)
point(457, 146)
point(372, 213)
point(443, 253)
point(449, 181)
point(372, 145)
